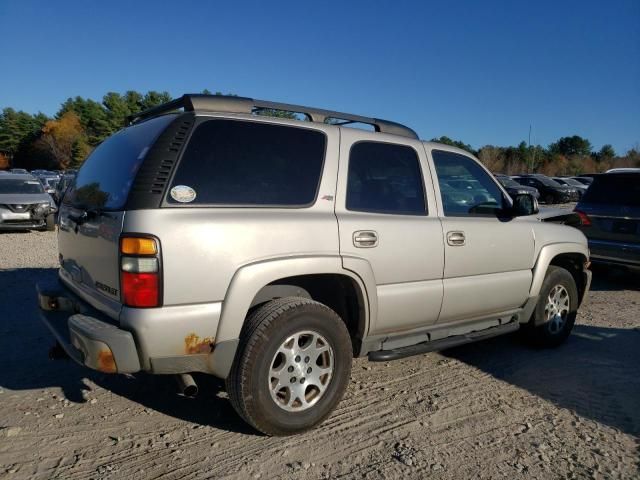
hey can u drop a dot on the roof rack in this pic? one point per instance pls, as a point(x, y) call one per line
point(231, 104)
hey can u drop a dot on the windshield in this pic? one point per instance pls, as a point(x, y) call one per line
point(20, 186)
point(508, 182)
point(547, 181)
point(618, 189)
point(573, 182)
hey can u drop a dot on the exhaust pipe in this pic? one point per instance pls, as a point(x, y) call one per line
point(186, 385)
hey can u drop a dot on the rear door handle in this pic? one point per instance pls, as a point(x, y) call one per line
point(456, 239)
point(365, 239)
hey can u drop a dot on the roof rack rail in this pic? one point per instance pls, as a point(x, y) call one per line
point(231, 104)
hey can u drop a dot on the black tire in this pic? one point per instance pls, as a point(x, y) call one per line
point(541, 332)
point(264, 333)
point(50, 222)
point(549, 199)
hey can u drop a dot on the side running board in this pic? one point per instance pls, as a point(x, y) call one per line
point(442, 344)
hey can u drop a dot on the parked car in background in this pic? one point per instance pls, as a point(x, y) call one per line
point(62, 186)
point(623, 170)
point(49, 184)
point(584, 180)
point(610, 215)
point(514, 188)
point(550, 190)
point(20, 171)
point(570, 182)
point(24, 204)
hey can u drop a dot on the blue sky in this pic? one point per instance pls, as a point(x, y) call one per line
point(479, 71)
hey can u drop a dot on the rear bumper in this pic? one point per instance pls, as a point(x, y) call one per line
point(616, 253)
point(87, 337)
point(178, 339)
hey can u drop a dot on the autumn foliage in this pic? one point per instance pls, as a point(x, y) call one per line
point(63, 138)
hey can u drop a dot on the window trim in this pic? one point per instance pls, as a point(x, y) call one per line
point(265, 121)
point(505, 195)
point(378, 212)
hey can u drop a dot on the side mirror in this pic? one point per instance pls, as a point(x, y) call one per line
point(524, 204)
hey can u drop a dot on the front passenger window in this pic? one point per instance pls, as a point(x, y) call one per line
point(466, 188)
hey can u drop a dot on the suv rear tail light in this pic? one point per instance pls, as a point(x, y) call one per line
point(140, 272)
point(585, 221)
point(140, 289)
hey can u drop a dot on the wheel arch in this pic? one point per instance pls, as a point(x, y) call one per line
point(570, 256)
point(320, 278)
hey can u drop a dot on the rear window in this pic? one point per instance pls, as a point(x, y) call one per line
point(12, 186)
point(614, 188)
point(232, 162)
point(106, 176)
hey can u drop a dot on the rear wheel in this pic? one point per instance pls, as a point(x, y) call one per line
point(549, 199)
point(556, 310)
point(292, 366)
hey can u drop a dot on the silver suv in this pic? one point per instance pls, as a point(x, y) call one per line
point(271, 251)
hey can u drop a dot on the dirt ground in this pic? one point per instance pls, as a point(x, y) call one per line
point(495, 409)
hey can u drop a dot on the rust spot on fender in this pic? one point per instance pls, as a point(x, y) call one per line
point(106, 362)
point(194, 344)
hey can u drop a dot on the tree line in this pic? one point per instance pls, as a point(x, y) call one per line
point(66, 139)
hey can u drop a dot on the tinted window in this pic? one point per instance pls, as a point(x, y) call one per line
point(507, 182)
point(466, 188)
point(614, 188)
point(229, 162)
point(385, 178)
point(106, 176)
point(547, 181)
point(20, 186)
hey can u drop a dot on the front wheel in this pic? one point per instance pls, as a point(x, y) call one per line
point(292, 366)
point(556, 310)
point(50, 224)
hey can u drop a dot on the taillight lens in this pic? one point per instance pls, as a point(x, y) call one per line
point(585, 221)
point(140, 273)
point(140, 289)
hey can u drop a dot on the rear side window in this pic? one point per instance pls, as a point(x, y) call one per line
point(614, 189)
point(232, 162)
point(106, 176)
point(385, 178)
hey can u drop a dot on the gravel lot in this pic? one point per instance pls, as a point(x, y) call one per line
point(495, 409)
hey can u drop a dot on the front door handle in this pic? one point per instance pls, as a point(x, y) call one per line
point(456, 239)
point(365, 239)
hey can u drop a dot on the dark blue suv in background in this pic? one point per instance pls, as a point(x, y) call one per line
point(610, 215)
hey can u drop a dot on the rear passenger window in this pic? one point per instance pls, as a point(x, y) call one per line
point(231, 162)
point(385, 178)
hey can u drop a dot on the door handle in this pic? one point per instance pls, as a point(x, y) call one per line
point(456, 239)
point(365, 239)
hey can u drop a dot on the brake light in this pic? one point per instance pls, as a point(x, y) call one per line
point(585, 221)
point(140, 272)
point(140, 289)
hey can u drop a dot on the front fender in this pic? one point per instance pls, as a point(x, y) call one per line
point(546, 255)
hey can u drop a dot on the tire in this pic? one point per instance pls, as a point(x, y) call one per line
point(545, 329)
point(549, 199)
point(51, 223)
point(268, 375)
